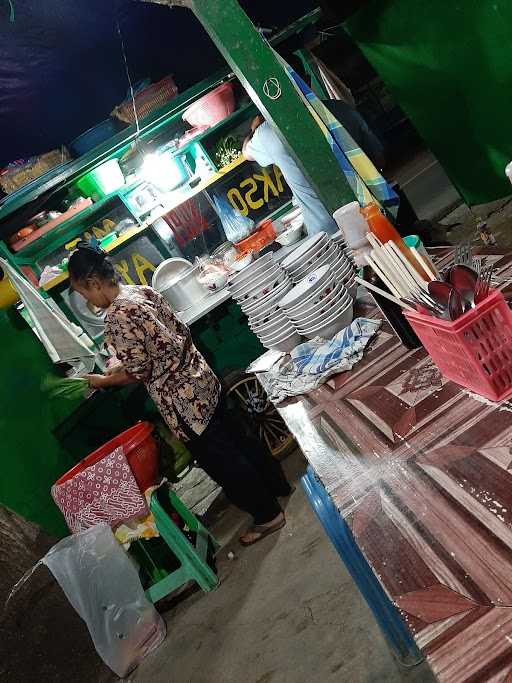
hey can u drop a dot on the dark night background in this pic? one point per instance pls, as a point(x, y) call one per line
point(61, 66)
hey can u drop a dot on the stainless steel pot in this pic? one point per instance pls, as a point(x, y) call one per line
point(184, 291)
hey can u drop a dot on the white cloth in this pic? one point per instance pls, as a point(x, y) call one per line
point(50, 324)
point(312, 363)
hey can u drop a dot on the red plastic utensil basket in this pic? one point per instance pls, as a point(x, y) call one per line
point(140, 450)
point(475, 350)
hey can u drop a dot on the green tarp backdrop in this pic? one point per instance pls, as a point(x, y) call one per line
point(449, 65)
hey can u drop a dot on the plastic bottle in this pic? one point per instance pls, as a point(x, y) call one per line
point(385, 232)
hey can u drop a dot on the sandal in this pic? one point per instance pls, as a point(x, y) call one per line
point(264, 530)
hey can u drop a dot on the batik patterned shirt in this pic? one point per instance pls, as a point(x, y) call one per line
point(156, 348)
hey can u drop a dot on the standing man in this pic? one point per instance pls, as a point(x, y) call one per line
point(265, 147)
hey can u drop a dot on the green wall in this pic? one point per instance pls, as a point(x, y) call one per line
point(449, 65)
point(30, 457)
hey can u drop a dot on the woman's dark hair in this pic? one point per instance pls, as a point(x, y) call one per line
point(89, 260)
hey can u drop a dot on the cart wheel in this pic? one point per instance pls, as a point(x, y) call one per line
point(263, 418)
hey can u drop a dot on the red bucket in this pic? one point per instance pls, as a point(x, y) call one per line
point(475, 350)
point(140, 450)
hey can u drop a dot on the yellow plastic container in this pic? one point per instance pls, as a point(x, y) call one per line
point(8, 295)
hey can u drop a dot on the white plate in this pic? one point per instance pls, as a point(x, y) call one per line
point(313, 243)
point(306, 287)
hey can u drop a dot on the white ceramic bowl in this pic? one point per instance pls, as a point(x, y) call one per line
point(253, 270)
point(265, 316)
point(284, 344)
point(237, 287)
point(336, 292)
point(312, 283)
point(338, 237)
point(276, 330)
point(214, 281)
point(313, 298)
point(311, 245)
point(323, 311)
point(240, 263)
point(342, 267)
point(291, 215)
point(251, 307)
point(331, 258)
point(313, 256)
point(352, 287)
point(269, 325)
point(328, 327)
point(292, 234)
point(242, 293)
point(326, 319)
point(267, 287)
point(317, 305)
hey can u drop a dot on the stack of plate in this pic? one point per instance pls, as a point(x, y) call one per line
point(257, 289)
point(316, 252)
point(319, 306)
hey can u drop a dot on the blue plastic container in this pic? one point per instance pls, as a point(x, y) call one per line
point(95, 136)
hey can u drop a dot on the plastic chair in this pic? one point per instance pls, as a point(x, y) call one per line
point(191, 559)
point(397, 635)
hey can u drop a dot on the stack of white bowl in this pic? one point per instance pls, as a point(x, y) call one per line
point(319, 306)
point(339, 239)
point(257, 289)
point(319, 250)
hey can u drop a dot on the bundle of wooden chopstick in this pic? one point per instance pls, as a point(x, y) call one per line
point(403, 277)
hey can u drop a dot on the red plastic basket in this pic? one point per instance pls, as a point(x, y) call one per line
point(140, 450)
point(475, 350)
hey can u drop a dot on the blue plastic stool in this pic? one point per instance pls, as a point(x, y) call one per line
point(387, 616)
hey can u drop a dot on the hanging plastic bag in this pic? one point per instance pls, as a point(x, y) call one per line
point(236, 227)
point(102, 585)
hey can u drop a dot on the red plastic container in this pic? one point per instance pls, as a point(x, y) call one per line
point(265, 234)
point(212, 108)
point(140, 450)
point(475, 350)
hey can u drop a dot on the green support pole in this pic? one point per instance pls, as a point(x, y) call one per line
point(311, 69)
point(254, 62)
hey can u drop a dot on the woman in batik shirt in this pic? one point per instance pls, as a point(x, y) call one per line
point(154, 347)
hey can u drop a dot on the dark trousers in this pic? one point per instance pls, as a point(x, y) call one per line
point(252, 480)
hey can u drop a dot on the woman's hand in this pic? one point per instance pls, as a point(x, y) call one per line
point(117, 379)
point(96, 381)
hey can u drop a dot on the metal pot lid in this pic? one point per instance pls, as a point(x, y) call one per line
point(169, 271)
